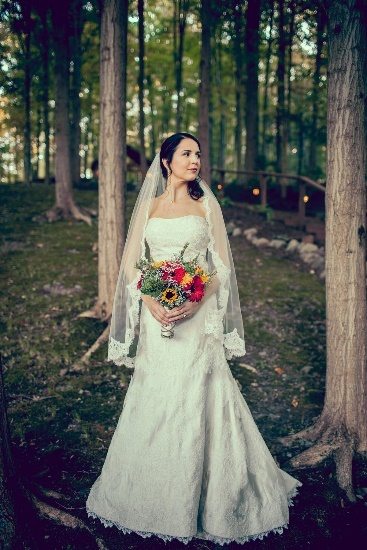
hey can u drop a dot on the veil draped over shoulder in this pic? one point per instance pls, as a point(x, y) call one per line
point(223, 319)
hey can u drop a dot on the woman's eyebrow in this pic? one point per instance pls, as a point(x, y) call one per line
point(190, 150)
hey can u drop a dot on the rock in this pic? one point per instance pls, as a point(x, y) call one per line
point(277, 243)
point(318, 263)
point(261, 243)
point(306, 369)
point(236, 232)
point(230, 226)
point(249, 233)
point(308, 239)
point(58, 289)
point(308, 247)
point(310, 257)
point(292, 246)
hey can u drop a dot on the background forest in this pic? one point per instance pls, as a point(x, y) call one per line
point(266, 87)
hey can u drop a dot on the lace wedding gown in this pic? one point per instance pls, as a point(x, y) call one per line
point(187, 459)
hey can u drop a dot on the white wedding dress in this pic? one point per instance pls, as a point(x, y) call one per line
point(187, 459)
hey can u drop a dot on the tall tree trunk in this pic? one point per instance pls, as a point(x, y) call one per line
point(281, 151)
point(204, 90)
point(252, 85)
point(65, 206)
point(181, 8)
point(222, 105)
point(76, 18)
point(238, 51)
point(45, 89)
point(143, 160)
point(27, 96)
point(38, 143)
point(151, 96)
point(287, 127)
point(112, 152)
point(341, 429)
point(265, 114)
point(321, 22)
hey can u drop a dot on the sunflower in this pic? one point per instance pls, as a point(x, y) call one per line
point(169, 295)
point(204, 278)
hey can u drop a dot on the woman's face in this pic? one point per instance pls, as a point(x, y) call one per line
point(185, 163)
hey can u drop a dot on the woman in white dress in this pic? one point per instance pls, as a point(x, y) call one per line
point(186, 459)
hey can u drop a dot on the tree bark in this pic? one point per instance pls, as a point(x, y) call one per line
point(65, 206)
point(45, 89)
point(281, 152)
point(321, 22)
point(181, 8)
point(112, 152)
point(151, 96)
point(265, 113)
point(252, 85)
point(239, 53)
point(76, 18)
point(341, 429)
point(143, 160)
point(27, 163)
point(204, 90)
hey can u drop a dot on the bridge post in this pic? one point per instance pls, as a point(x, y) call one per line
point(263, 190)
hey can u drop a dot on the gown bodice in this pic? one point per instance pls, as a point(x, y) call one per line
point(167, 236)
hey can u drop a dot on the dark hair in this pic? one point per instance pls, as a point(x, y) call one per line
point(168, 148)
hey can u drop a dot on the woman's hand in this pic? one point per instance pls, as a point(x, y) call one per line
point(156, 309)
point(187, 309)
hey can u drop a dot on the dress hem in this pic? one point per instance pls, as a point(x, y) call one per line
point(203, 535)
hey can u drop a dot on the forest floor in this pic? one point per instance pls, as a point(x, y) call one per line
point(62, 422)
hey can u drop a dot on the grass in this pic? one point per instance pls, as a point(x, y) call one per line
point(62, 423)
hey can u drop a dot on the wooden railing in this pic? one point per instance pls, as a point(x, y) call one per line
point(262, 176)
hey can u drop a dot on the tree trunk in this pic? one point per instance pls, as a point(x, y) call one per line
point(287, 127)
point(112, 152)
point(65, 206)
point(204, 91)
point(76, 18)
point(265, 114)
point(238, 51)
point(180, 15)
point(45, 90)
point(222, 105)
point(341, 429)
point(252, 85)
point(27, 97)
point(151, 96)
point(281, 152)
point(143, 160)
point(321, 22)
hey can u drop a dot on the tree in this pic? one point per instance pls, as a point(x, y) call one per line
point(204, 88)
point(341, 429)
point(281, 151)
point(65, 206)
point(112, 152)
point(252, 85)
point(181, 8)
point(143, 160)
point(76, 29)
point(321, 22)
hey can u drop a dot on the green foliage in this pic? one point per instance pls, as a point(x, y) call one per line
point(266, 210)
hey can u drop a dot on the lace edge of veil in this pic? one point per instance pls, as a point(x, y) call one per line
point(234, 345)
point(118, 352)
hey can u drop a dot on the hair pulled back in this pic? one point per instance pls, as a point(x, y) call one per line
point(168, 148)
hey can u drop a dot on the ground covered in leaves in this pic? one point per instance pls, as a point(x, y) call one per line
point(62, 421)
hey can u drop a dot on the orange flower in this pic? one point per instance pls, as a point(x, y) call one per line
point(186, 280)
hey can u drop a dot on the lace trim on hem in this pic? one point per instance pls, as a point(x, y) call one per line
point(203, 535)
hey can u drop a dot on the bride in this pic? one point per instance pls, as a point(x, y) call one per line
point(186, 459)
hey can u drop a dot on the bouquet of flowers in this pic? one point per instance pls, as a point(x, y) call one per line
point(172, 282)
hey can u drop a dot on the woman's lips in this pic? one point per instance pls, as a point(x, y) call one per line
point(193, 169)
